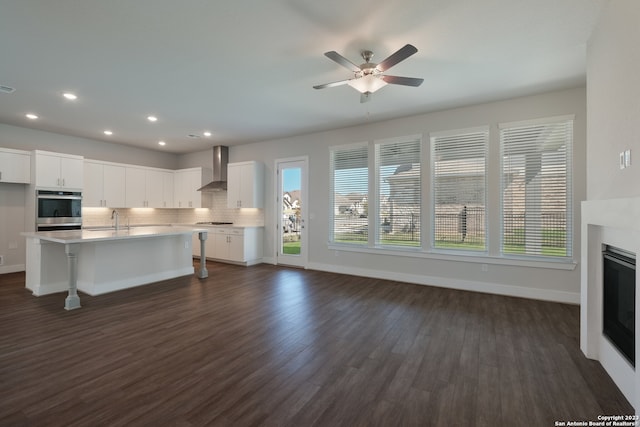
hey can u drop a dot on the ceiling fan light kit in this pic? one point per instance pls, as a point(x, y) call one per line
point(369, 77)
point(369, 83)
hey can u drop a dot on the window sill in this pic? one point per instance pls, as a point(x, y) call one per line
point(478, 258)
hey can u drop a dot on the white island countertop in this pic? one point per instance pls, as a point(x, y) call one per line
point(107, 260)
point(88, 235)
point(209, 226)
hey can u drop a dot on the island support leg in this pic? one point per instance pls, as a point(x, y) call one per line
point(203, 273)
point(73, 300)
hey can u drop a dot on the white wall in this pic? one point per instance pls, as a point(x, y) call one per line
point(613, 95)
point(532, 282)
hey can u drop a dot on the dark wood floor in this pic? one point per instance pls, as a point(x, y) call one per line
point(275, 346)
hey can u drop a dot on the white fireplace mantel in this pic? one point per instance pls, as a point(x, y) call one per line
point(614, 222)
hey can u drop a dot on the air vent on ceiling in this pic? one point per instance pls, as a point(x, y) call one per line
point(6, 89)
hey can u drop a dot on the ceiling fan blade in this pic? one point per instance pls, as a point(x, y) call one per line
point(335, 56)
point(326, 85)
point(405, 81)
point(400, 55)
point(365, 97)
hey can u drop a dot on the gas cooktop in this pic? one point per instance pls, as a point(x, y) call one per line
point(214, 223)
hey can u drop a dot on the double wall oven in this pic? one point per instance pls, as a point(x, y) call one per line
point(58, 210)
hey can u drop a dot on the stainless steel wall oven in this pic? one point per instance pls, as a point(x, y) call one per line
point(58, 210)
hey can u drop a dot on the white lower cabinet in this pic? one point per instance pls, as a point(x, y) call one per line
point(239, 245)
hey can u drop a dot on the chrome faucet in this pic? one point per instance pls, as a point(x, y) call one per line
point(115, 215)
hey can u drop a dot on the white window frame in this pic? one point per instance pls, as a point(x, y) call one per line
point(332, 207)
point(376, 190)
point(570, 205)
point(432, 211)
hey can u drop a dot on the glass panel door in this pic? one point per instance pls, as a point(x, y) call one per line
point(292, 178)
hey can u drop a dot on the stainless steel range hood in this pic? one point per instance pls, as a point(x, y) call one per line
point(220, 160)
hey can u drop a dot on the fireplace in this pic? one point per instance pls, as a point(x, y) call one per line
point(613, 222)
point(619, 300)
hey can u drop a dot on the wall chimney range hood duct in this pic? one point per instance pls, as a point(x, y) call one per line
point(220, 160)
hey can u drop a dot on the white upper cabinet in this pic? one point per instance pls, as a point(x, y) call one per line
point(245, 185)
point(167, 189)
point(155, 189)
point(148, 188)
point(136, 193)
point(104, 185)
point(186, 184)
point(59, 171)
point(15, 166)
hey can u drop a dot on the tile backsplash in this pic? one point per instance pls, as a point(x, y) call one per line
point(100, 217)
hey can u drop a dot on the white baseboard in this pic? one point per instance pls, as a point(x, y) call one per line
point(465, 285)
point(12, 268)
point(269, 260)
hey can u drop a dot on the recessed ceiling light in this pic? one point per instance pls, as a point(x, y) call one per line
point(207, 133)
point(162, 143)
point(108, 132)
point(152, 118)
point(70, 96)
point(31, 116)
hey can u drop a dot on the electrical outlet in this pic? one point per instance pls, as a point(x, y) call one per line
point(13, 245)
point(1, 259)
point(484, 267)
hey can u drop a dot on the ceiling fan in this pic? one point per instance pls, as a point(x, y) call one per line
point(369, 77)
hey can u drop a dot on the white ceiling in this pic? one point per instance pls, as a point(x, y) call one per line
point(245, 69)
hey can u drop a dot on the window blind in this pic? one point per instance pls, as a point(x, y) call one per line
point(459, 189)
point(536, 189)
point(399, 192)
point(349, 189)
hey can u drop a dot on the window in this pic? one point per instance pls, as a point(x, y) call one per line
point(536, 188)
point(349, 194)
point(398, 192)
point(459, 189)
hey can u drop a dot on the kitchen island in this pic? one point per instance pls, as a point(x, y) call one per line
point(101, 261)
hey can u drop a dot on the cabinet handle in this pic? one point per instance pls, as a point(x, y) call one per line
point(63, 182)
point(0, 176)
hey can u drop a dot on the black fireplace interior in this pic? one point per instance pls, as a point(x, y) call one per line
point(619, 299)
